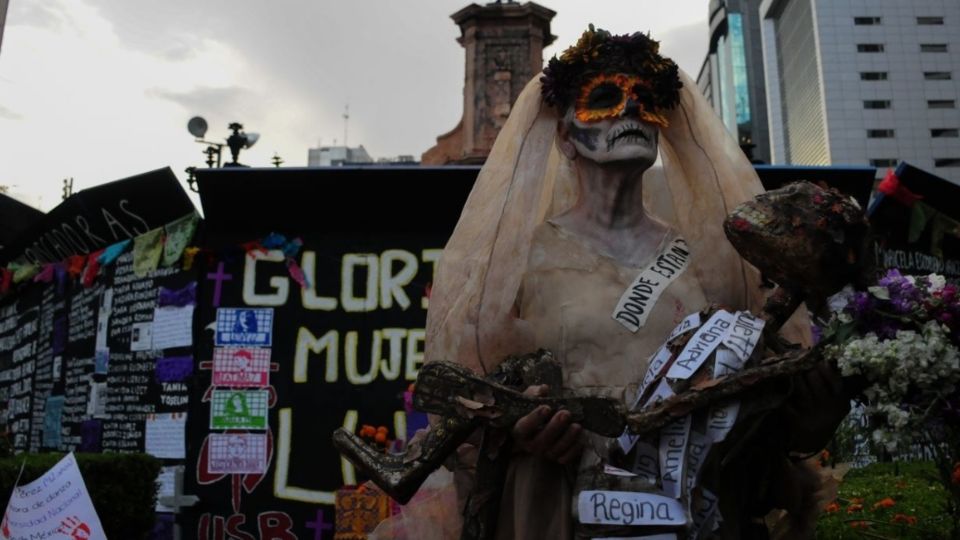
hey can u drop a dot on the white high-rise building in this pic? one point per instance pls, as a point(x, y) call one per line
point(863, 82)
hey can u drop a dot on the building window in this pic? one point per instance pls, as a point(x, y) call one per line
point(930, 20)
point(946, 162)
point(879, 133)
point(941, 104)
point(937, 75)
point(873, 75)
point(876, 104)
point(867, 21)
point(944, 133)
point(870, 47)
point(933, 47)
point(883, 162)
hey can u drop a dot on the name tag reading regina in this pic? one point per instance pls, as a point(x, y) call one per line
point(638, 300)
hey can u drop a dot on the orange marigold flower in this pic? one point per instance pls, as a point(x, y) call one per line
point(885, 503)
point(904, 518)
point(855, 507)
point(859, 525)
point(832, 507)
point(381, 438)
point(857, 500)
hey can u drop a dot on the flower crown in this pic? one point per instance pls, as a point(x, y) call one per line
point(598, 51)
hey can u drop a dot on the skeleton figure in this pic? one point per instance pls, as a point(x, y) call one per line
point(553, 236)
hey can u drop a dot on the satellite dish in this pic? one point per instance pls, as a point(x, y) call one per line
point(251, 139)
point(197, 127)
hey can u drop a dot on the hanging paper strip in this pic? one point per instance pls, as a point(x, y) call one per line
point(253, 245)
point(6, 278)
point(60, 273)
point(23, 272)
point(75, 265)
point(189, 254)
point(296, 273)
point(111, 253)
point(274, 241)
point(179, 234)
point(147, 250)
point(292, 248)
point(45, 275)
point(92, 269)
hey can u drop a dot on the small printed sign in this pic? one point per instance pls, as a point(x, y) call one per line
point(248, 327)
point(241, 367)
point(239, 409)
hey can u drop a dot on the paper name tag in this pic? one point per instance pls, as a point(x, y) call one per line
point(720, 421)
point(688, 323)
point(673, 455)
point(659, 359)
point(707, 338)
point(697, 452)
point(629, 508)
point(645, 461)
point(662, 392)
point(638, 300)
point(704, 513)
point(725, 362)
point(617, 471)
point(744, 334)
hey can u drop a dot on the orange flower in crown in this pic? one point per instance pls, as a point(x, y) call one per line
point(602, 72)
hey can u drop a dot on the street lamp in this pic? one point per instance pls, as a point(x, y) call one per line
point(237, 140)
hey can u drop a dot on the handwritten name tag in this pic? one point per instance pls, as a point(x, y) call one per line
point(662, 392)
point(645, 462)
point(707, 338)
point(704, 513)
point(629, 508)
point(688, 323)
point(659, 359)
point(638, 300)
point(697, 452)
point(720, 421)
point(673, 455)
point(725, 362)
point(744, 334)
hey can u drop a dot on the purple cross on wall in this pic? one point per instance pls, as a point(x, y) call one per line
point(319, 526)
point(218, 277)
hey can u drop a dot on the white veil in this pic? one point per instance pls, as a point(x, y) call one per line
point(472, 319)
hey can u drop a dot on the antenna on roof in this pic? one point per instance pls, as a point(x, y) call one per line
point(346, 123)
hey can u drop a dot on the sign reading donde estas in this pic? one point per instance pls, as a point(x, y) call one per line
point(56, 506)
point(638, 300)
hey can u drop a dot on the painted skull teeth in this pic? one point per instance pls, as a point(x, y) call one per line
point(754, 216)
point(629, 130)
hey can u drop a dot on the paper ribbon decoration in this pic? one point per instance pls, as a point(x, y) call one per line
point(60, 273)
point(112, 252)
point(179, 234)
point(75, 265)
point(296, 273)
point(189, 254)
point(92, 269)
point(23, 272)
point(147, 250)
point(891, 187)
point(45, 275)
point(187, 296)
point(292, 248)
point(6, 278)
point(274, 241)
point(253, 245)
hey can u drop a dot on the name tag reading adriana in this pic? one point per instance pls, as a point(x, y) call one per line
point(638, 300)
point(629, 508)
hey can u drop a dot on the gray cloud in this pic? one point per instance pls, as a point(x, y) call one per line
point(34, 14)
point(7, 114)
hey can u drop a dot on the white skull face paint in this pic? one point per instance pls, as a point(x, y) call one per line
point(625, 138)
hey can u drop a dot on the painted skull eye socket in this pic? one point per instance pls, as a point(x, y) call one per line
point(605, 96)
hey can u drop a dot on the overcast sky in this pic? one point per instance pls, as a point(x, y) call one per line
point(102, 89)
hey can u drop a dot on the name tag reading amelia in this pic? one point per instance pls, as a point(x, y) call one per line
point(629, 508)
point(638, 300)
